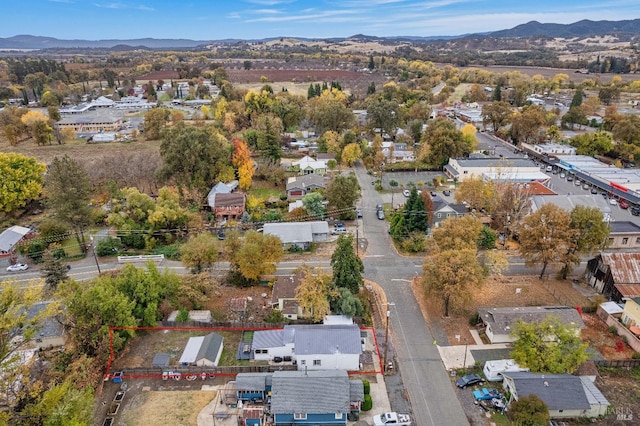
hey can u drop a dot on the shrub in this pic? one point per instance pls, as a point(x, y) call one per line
point(613, 330)
point(367, 387)
point(171, 251)
point(183, 315)
point(108, 246)
point(474, 319)
point(636, 355)
point(367, 404)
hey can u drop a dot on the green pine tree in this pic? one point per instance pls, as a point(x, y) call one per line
point(347, 266)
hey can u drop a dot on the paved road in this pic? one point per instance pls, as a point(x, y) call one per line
point(433, 400)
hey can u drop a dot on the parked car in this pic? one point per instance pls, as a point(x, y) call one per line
point(577, 183)
point(613, 202)
point(359, 213)
point(380, 214)
point(594, 191)
point(406, 192)
point(446, 193)
point(635, 211)
point(623, 204)
point(18, 267)
point(338, 231)
point(391, 418)
point(549, 168)
point(562, 175)
point(433, 194)
point(569, 178)
point(379, 207)
point(469, 380)
point(585, 186)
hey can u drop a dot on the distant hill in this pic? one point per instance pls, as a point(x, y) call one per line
point(584, 28)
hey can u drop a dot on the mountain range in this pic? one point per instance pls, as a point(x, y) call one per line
point(584, 28)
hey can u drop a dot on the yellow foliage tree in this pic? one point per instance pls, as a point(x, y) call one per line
point(350, 154)
point(241, 159)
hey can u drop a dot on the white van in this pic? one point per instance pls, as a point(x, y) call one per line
point(493, 369)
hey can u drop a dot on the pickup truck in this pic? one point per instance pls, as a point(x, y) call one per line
point(391, 418)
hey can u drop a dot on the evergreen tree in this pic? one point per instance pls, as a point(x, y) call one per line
point(577, 98)
point(372, 64)
point(311, 92)
point(371, 89)
point(53, 270)
point(497, 93)
point(415, 215)
point(347, 266)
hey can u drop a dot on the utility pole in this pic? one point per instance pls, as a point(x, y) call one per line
point(95, 257)
point(386, 338)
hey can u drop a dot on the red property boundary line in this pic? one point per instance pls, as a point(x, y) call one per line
point(108, 375)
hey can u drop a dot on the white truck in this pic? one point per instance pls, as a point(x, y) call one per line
point(391, 418)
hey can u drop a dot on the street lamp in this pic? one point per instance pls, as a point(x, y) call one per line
point(386, 338)
point(93, 249)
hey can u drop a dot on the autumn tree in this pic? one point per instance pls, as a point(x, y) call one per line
point(598, 143)
point(37, 125)
point(253, 256)
point(199, 253)
point(548, 346)
point(591, 233)
point(526, 125)
point(242, 161)
point(22, 179)
point(477, 193)
point(442, 140)
point(347, 266)
point(315, 292)
point(350, 154)
point(329, 111)
point(313, 205)
point(383, 114)
point(627, 129)
point(155, 121)
point(497, 113)
point(67, 192)
point(545, 236)
point(342, 194)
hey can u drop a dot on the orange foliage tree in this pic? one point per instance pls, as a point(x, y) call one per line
point(242, 161)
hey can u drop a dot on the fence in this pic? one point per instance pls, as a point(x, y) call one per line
point(142, 258)
point(627, 363)
point(185, 370)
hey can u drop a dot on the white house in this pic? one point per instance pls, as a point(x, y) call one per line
point(313, 347)
point(300, 234)
point(203, 351)
point(496, 169)
point(307, 165)
point(551, 149)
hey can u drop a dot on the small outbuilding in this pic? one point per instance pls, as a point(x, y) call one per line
point(203, 351)
point(161, 360)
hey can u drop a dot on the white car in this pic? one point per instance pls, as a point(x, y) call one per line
point(18, 267)
point(613, 202)
point(562, 175)
point(406, 193)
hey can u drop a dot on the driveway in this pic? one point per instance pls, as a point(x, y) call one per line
point(432, 397)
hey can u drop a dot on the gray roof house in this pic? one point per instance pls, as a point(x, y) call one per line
point(10, 237)
point(299, 186)
point(283, 296)
point(314, 347)
point(221, 188)
point(313, 397)
point(442, 211)
point(623, 235)
point(500, 322)
point(50, 332)
point(569, 202)
point(203, 350)
point(299, 234)
point(565, 395)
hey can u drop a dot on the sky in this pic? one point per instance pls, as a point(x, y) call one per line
point(257, 19)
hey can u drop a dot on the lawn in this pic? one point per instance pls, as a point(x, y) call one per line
point(264, 192)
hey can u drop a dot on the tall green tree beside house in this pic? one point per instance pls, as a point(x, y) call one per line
point(415, 215)
point(347, 266)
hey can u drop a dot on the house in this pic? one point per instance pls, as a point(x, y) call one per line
point(495, 169)
point(569, 202)
point(298, 234)
point(221, 188)
point(442, 211)
point(50, 333)
point(91, 124)
point(401, 151)
point(325, 156)
point(500, 322)
point(11, 237)
point(297, 204)
point(253, 386)
point(283, 297)
point(623, 235)
point(203, 351)
point(313, 347)
point(615, 275)
point(228, 206)
point(631, 315)
point(299, 186)
point(306, 166)
point(314, 397)
point(565, 395)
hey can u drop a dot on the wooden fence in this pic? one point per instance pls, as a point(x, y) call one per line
point(187, 370)
point(618, 363)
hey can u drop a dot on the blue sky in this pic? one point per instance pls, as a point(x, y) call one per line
point(248, 19)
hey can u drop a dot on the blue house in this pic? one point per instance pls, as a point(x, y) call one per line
point(253, 387)
point(314, 397)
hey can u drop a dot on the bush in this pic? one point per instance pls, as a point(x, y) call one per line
point(171, 251)
point(108, 247)
point(367, 404)
point(613, 330)
point(183, 315)
point(367, 387)
point(636, 355)
point(474, 319)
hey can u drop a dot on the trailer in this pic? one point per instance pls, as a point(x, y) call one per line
point(493, 369)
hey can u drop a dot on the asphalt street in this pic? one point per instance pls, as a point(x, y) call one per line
point(433, 400)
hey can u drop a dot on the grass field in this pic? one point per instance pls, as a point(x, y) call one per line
point(166, 408)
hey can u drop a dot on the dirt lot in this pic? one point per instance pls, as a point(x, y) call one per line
point(166, 407)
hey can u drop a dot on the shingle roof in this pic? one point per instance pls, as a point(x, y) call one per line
point(227, 200)
point(285, 287)
point(327, 339)
point(305, 181)
point(503, 320)
point(356, 390)
point(558, 391)
point(210, 347)
point(48, 326)
point(252, 381)
point(310, 392)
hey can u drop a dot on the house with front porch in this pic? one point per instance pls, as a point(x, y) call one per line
point(299, 186)
point(306, 166)
point(443, 210)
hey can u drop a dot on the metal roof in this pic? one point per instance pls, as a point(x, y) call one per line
point(11, 236)
point(267, 339)
point(624, 267)
point(623, 228)
point(310, 392)
point(294, 232)
point(327, 339)
point(252, 381)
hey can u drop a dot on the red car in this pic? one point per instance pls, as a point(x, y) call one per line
point(623, 204)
